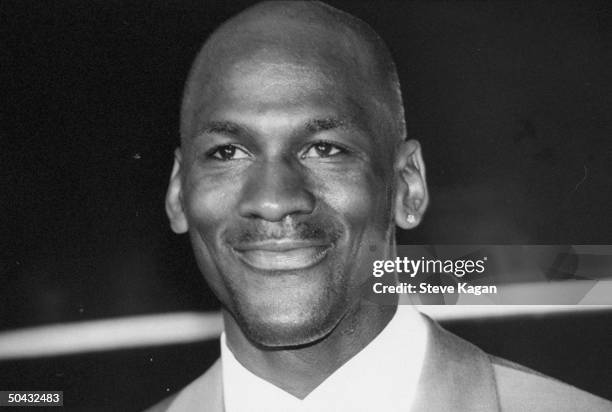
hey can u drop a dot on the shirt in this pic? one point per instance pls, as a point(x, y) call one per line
point(382, 376)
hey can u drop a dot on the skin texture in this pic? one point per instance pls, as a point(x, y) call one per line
point(292, 150)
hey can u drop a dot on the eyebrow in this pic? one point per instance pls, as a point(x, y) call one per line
point(312, 126)
point(320, 125)
point(222, 127)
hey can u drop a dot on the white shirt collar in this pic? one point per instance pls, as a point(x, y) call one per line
point(383, 376)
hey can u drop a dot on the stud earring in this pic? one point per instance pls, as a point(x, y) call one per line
point(410, 218)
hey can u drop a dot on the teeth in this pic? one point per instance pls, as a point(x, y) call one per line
point(291, 259)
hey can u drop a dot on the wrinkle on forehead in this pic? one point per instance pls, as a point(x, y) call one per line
point(282, 73)
point(273, 77)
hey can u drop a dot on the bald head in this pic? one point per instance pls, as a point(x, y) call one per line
point(297, 45)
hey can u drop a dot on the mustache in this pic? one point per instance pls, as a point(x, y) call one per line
point(320, 229)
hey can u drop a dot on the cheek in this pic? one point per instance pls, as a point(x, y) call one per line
point(208, 204)
point(208, 201)
point(362, 198)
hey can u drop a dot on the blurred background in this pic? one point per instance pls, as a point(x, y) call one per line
point(511, 102)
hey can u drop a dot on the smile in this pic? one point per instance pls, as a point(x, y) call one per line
point(282, 255)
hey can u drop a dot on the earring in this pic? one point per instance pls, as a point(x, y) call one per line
point(410, 218)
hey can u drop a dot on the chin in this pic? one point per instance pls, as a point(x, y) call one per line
point(292, 328)
point(283, 336)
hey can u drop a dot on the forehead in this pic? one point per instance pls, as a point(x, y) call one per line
point(272, 81)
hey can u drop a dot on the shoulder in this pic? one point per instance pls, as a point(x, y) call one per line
point(522, 389)
point(163, 405)
point(496, 384)
point(204, 393)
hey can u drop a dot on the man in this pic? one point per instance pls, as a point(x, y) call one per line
point(292, 174)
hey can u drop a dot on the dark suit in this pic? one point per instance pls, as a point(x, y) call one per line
point(456, 376)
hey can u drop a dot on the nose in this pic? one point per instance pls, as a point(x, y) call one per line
point(275, 189)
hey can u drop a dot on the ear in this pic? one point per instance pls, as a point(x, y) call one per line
point(411, 197)
point(174, 197)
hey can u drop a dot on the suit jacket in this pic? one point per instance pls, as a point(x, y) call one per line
point(456, 376)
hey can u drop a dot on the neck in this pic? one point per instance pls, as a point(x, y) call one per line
point(300, 370)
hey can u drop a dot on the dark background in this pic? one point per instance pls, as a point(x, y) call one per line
point(511, 102)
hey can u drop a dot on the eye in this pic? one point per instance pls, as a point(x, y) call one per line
point(228, 152)
point(323, 149)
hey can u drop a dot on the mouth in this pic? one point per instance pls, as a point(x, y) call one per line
point(282, 254)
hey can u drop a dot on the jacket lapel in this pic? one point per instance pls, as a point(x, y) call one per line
point(456, 376)
point(205, 394)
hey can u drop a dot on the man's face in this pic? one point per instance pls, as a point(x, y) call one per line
point(287, 190)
